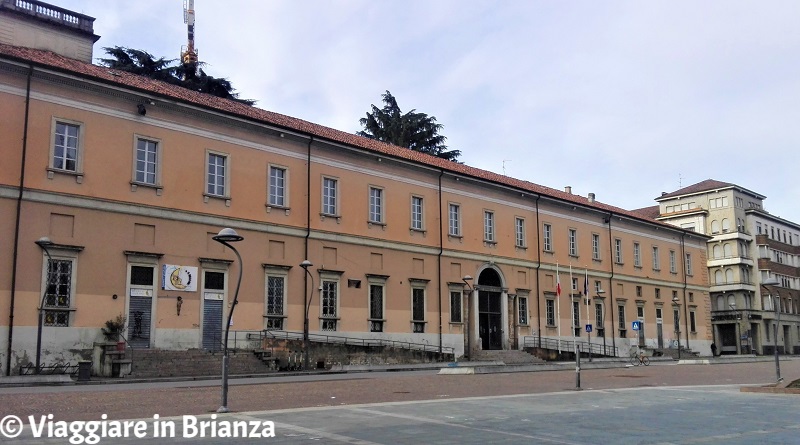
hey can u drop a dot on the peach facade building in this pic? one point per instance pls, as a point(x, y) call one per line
point(130, 179)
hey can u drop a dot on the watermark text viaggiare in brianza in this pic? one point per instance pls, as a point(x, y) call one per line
point(93, 431)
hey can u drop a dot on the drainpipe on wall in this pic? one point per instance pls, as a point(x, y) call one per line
point(17, 222)
point(439, 261)
point(611, 283)
point(308, 200)
point(538, 266)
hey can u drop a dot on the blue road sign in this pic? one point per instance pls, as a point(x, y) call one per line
point(588, 328)
point(636, 325)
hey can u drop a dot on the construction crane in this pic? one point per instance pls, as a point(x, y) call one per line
point(189, 53)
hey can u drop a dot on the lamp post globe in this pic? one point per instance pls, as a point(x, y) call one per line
point(306, 306)
point(225, 237)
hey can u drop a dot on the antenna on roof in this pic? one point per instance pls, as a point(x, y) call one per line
point(680, 181)
point(504, 166)
point(189, 53)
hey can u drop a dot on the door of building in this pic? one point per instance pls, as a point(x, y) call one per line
point(490, 320)
point(140, 305)
point(213, 298)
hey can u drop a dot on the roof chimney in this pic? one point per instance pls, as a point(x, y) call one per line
point(568, 189)
point(591, 197)
point(663, 193)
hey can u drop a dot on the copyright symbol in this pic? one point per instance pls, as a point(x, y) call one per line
point(10, 426)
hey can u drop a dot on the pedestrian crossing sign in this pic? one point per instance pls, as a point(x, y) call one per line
point(636, 325)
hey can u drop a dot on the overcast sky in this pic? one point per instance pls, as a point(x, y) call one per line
point(622, 99)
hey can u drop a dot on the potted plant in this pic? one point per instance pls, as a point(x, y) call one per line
point(113, 331)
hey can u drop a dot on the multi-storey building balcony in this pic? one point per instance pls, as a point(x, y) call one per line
point(737, 314)
point(731, 286)
point(731, 261)
point(739, 233)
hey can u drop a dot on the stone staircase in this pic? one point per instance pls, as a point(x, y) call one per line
point(194, 362)
point(511, 357)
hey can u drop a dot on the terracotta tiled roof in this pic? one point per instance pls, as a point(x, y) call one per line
point(651, 212)
point(50, 60)
point(703, 186)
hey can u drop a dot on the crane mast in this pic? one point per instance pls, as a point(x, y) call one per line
point(189, 53)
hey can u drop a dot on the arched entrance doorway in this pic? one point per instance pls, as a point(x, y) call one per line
point(490, 310)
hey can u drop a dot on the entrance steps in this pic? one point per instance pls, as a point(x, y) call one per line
point(193, 362)
point(510, 357)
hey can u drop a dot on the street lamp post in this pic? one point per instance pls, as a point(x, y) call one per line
point(225, 237)
point(306, 305)
point(764, 284)
point(43, 242)
point(466, 280)
point(675, 302)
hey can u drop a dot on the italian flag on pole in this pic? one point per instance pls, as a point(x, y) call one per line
point(558, 283)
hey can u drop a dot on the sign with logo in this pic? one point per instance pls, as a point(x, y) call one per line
point(588, 328)
point(636, 325)
point(179, 278)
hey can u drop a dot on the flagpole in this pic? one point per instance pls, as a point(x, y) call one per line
point(558, 307)
point(588, 309)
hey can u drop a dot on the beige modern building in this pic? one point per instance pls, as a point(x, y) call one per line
point(130, 178)
point(748, 245)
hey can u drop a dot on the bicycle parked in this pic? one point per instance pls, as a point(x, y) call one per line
point(640, 359)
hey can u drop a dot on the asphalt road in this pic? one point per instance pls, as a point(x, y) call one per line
point(658, 404)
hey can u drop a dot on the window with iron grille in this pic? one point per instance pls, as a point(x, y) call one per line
point(329, 298)
point(58, 294)
point(277, 186)
point(621, 317)
point(376, 307)
point(523, 310)
point(329, 196)
point(576, 317)
point(676, 320)
point(598, 317)
point(550, 309)
point(416, 213)
point(276, 293)
point(418, 309)
point(455, 306)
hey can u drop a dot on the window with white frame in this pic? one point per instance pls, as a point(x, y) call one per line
point(547, 237)
point(454, 219)
point(519, 231)
point(573, 242)
point(418, 309)
point(456, 298)
point(656, 259)
point(618, 251)
point(277, 186)
point(66, 147)
point(147, 169)
point(416, 213)
point(550, 311)
point(522, 303)
point(488, 226)
point(376, 205)
point(376, 303)
point(329, 304)
point(217, 174)
point(330, 189)
point(595, 246)
point(637, 255)
point(689, 264)
point(276, 300)
point(673, 263)
point(59, 279)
